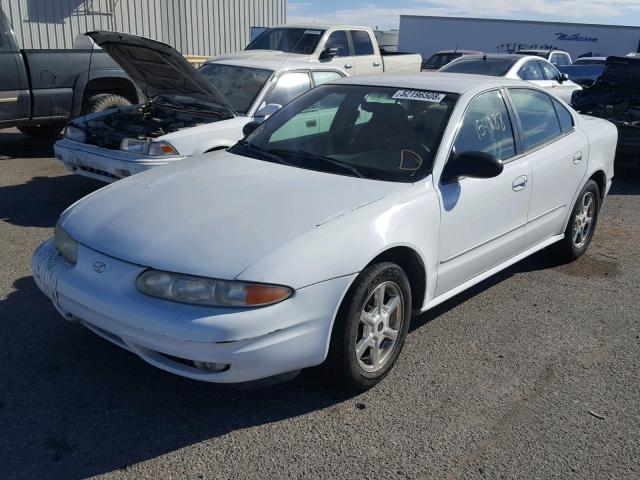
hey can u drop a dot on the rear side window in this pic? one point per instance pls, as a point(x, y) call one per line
point(486, 127)
point(549, 71)
point(323, 77)
point(338, 39)
point(531, 71)
point(566, 119)
point(537, 115)
point(361, 42)
point(288, 87)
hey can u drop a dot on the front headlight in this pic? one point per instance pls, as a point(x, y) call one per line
point(210, 291)
point(66, 244)
point(146, 147)
point(75, 134)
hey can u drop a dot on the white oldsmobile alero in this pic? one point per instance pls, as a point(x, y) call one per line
point(293, 250)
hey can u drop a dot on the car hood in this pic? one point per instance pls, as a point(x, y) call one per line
point(264, 55)
point(158, 69)
point(216, 214)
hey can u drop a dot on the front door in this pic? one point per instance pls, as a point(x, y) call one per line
point(343, 59)
point(482, 221)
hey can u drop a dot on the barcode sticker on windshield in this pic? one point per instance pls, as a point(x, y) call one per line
point(313, 32)
point(419, 95)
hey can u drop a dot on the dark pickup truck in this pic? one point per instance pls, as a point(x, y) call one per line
point(41, 90)
point(615, 96)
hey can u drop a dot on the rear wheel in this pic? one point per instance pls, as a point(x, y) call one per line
point(42, 132)
point(370, 328)
point(581, 226)
point(105, 101)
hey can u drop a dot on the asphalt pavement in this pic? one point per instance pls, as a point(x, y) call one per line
point(535, 373)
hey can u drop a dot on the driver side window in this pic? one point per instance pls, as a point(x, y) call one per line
point(486, 127)
point(338, 39)
point(289, 86)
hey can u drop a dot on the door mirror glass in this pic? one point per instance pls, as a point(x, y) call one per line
point(472, 165)
point(265, 112)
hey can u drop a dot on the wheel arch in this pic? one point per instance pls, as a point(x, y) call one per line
point(601, 180)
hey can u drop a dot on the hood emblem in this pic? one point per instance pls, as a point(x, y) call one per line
point(99, 267)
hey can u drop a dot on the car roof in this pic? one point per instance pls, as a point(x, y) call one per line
point(322, 26)
point(542, 50)
point(277, 64)
point(463, 52)
point(457, 83)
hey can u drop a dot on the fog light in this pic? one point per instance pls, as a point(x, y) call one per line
point(211, 367)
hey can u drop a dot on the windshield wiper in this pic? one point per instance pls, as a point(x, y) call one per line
point(267, 155)
point(322, 158)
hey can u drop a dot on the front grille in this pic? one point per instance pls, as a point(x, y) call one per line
point(97, 172)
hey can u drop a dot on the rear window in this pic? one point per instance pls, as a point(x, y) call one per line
point(439, 60)
point(496, 67)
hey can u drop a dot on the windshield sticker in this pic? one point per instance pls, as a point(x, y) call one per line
point(419, 95)
point(312, 32)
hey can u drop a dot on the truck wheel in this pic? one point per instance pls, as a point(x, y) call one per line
point(370, 328)
point(41, 132)
point(105, 101)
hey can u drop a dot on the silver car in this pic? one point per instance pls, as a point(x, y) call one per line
point(524, 67)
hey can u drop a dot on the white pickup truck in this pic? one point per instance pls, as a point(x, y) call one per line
point(347, 47)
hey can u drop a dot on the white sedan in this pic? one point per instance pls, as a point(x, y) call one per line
point(536, 70)
point(293, 250)
point(188, 111)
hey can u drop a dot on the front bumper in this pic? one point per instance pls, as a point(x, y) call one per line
point(104, 164)
point(255, 343)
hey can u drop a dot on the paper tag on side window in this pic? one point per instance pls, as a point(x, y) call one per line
point(419, 95)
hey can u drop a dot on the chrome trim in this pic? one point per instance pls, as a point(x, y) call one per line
point(8, 99)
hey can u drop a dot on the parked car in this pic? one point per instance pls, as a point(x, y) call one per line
point(292, 249)
point(40, 90)
point(188, 111)
point(557, 57)
point(615, 96)
point(532, 69)
point(348, 47)
point(584, 71)
point(444, 57)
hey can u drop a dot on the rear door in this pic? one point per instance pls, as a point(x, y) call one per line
point(364, 53)
point(14, 93)
point(557, 153)
point(482, 221)
point(562, 90)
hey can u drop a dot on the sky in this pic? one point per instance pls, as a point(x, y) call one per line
point(386, 13)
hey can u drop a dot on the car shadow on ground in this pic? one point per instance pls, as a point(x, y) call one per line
point(39, 202)
point(14, 144)
point(73, 405)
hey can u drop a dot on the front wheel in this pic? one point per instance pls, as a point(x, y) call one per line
point(581, 226)
point(370, 328)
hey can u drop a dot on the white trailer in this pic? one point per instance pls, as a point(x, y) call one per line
point(429, 34)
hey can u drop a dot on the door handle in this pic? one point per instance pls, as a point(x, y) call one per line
point(554, 85)
point(577, 158)
point(519, 183)
point(348, 66)
point(376, 64)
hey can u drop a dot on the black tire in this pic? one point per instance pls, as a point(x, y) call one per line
point(105, 101)
point(42, 132)
point(568, 249)
point(342, 367)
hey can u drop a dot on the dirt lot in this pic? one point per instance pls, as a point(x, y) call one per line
point(535, 373)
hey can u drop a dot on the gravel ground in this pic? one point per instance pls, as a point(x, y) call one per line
point(534, 373)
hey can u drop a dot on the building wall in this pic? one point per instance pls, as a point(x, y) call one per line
point(195, 27)
point(427, 35)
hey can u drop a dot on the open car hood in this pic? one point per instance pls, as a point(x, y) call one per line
point(158, 69)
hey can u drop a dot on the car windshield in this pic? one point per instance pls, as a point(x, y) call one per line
point(438, 60)
point(374, 132)
point(496, 67)
point(291, 40)
point(238, 85)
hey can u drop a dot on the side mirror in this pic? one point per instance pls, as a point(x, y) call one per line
point(250, 127)
point(329, 53)
point(265, 112)
point(563, 77)
point(472, 165)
